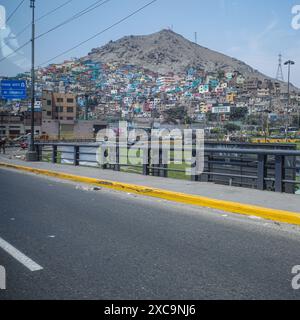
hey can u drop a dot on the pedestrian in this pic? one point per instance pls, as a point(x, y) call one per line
point(3, 145)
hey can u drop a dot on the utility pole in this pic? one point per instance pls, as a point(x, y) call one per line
point(32, 154)
point(86, 109)
point(288, 63)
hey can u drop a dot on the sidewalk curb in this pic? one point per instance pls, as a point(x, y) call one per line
point(227, 206)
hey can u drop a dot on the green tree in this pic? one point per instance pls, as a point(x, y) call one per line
point(239, 113)
point(231, 127)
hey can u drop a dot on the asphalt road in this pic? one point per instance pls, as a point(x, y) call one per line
point(110, 245)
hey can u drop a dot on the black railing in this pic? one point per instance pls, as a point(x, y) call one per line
point(264, 169)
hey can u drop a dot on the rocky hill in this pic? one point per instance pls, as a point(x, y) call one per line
point(167, 51)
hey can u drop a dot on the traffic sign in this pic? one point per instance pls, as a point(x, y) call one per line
point(13, 89)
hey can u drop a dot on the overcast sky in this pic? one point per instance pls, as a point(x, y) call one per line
point(253, 31)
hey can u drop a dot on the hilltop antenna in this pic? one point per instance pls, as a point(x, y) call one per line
point(196, 38)
point(279, 75)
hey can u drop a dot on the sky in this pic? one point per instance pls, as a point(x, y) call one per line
point(253, 31)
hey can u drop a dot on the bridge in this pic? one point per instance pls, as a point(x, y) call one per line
point(101, 233)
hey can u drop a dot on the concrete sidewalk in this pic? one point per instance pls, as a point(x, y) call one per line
point(265, 199)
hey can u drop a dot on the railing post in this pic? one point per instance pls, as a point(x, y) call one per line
point(261, 172)
point(205, 177)
point(117, 164)
point(194, 176)
point(103, 155)
point(54, 154)
point(210, 167)
point(38, 149)
point(162, 173)
point(146, 158)
point(155, 159)
point(76, 155)
point(279, 173)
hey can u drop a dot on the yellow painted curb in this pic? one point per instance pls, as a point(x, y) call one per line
point(227, 206)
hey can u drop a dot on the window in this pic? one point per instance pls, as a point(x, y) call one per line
point(49, 102)
point(70, 100)
point(70, 109)
point(60, 99)
point(14, 132)
point(59, 109)
point(49, 113)
point(70, 118)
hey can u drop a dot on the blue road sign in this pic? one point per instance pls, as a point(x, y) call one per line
point(13, 89)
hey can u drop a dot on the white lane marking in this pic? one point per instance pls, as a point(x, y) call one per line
point(19, 256)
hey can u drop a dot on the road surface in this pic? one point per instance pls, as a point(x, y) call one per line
point(59, 240)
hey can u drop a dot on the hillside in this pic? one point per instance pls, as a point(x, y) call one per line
point(167, 51)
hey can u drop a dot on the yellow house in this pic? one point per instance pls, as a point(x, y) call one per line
point(204, 108)
point(231, 97)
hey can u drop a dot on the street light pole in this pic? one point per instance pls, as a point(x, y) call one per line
point(288, 63)
point(86, 109)
point(32, 154)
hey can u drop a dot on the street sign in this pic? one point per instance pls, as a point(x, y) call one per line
point(13, 89)
point(221, 109)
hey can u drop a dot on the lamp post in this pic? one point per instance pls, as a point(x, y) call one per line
point(32, 154)
point(288, 63)
point(86, 109)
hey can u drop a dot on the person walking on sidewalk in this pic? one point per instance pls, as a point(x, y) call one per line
point(3, 145)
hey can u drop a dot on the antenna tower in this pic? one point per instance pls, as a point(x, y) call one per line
point(279, 74)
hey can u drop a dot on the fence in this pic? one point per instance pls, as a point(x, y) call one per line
point(236, 165)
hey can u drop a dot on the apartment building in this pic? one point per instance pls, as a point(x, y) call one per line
point(65, 107)
point(59, 106)
point(59, 114)
point(263, 92)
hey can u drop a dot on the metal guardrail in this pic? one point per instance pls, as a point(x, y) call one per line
point(262, 169)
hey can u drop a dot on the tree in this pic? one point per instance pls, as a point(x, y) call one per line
point(238, 113)
point(231, 127)
point(253, 120)
point(175, 114)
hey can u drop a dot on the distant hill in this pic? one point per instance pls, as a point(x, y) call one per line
point(167, 51)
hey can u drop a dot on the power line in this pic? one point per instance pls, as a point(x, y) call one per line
point(91, 7)
point(15, 51)
point(44, 16)
point(99, 33)
point(16, 9)
point(76, 16)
